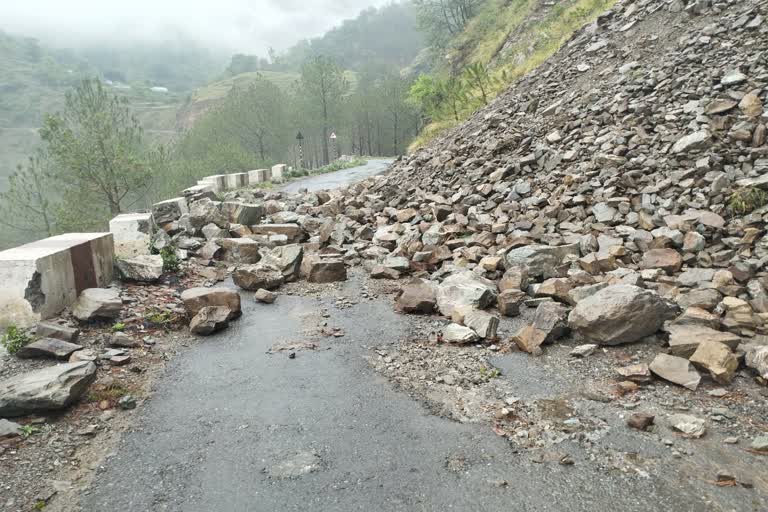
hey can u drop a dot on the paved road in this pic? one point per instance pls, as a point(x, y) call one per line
point(231, 428)
point(340, 178)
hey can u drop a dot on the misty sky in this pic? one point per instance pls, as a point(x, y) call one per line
point(242, 25)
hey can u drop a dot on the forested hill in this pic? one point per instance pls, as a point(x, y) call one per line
point(386, 36)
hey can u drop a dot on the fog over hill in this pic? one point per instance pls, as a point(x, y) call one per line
point(238, 25)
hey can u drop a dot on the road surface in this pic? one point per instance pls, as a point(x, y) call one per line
point(339, 178)
point(233, 428)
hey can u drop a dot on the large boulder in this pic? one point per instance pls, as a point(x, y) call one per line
point(618, 314)
point(286, 259)
point(417, 296)
point(48, 389)
point(254, 277)
point(242, 213)
point(243, 251)
point(144, 268)
point(97, 303)
point(464, 289)
point(319, 269)
point(550, 322)
point(541, 260)
point(210, 319)
point(196, 299)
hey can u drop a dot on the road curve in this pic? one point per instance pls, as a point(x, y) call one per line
point(339, 178)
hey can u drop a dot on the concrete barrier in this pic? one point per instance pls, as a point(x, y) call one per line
point(218, 181)
point(237, 180)
point(278, 171)
point(257, 176)
point(132, 233)
point(42, 278)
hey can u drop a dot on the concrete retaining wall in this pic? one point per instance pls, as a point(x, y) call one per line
point(42, 278)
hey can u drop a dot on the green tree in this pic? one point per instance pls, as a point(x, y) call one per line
point(96, 143)
point(323, 83)
point(28, 205)
point(443, 19)
point(478, 78)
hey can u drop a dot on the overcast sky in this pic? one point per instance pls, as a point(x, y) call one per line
point(242, 25)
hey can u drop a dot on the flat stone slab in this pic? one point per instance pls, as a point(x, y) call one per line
point(48, 347)
point(48, 389)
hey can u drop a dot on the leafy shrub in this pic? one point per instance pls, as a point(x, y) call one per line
point(171, 262)
point(14, 339)
point(747, 200)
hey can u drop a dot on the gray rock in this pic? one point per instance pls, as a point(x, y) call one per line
point(60, 332)
point(144, 268)
point(694, 141)
point(122, 340)
point(48, 347)
point(196, 299)
point(464, 289)
point(210, 319)
point(9, 429)
point(459, 334)
point(484, 324)
point(286, 259)
point(318, 269)
point(676, 370)
point(619, 314)
point(541, 260)
point(51, 388)
point(254, 277)
point(96, 303)
point(265, 296)
point(685, 339)
point(417, 296)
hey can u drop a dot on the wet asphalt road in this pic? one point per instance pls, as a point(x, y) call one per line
point(339, 178)
point(228, 424)
point(227, 414)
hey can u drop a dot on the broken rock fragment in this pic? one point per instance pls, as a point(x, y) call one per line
point(716, 358)
point(465, 289)
point(196, 299)
point(48, 389)
point(677, 370)
point(417, 296)
point(619, 314)
point(459, 334)
point(210, 319)
point(143, 268)
point(97, 303)
point(48, 347)
point(254, 277)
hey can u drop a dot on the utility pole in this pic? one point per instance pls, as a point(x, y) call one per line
point(300, 140)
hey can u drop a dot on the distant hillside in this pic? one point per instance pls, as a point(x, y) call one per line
point(206, 97)
point(34, 80)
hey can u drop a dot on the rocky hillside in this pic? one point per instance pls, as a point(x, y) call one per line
point(625, 173)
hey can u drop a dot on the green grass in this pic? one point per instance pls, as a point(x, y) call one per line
point(536, 40)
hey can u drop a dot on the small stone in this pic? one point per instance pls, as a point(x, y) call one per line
point(459, 334)
point(689, 426)
point(127, 402)
point(583, 350)
point(760, 444)
point(265, 296)
point(640, 420)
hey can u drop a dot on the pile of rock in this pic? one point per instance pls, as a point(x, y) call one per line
point(618, 189)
